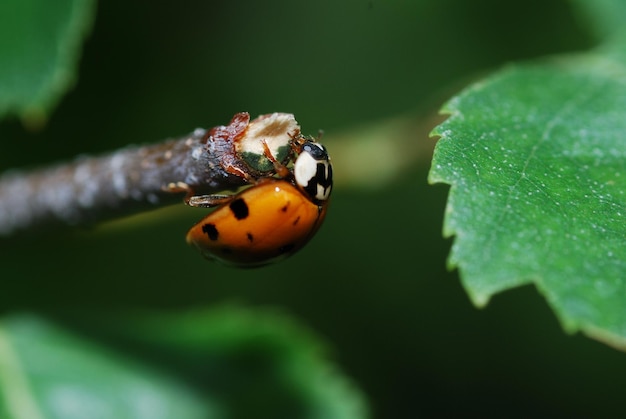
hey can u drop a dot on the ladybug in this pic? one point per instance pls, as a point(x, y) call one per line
point(272, 219)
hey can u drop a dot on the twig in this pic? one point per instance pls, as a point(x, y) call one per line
point(127, 181)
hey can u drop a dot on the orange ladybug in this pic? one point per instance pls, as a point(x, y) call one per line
point(272, 219)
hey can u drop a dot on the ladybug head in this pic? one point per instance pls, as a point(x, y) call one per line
point(314, 172)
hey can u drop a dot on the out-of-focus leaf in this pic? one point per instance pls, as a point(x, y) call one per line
point(605, 17)
point(256, 363)
point(39, 48)
point(46, 372)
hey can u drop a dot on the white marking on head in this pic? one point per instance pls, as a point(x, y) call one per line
point(304, 169)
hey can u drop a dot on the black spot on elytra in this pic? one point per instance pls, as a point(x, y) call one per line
point(286, 207)
point(239, 209)
point(286, 248)
point(250, 237)
point(296, 221)
point(210, 231)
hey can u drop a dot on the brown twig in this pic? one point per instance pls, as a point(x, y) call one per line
point(121, 183)
point(131, 180)
point(134, 179)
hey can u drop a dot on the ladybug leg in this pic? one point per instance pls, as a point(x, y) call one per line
point(281, 170)
point(296, 142)
point(207, 201)
point(201, 201)
point(234, 170)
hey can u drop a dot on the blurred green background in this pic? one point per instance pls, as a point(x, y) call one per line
point(373, 282)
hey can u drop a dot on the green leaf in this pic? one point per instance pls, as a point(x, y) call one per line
point(40, 42)
point(536, 159)
point(605, 17)
point(46, 372)
point(234, 362)
point(257, 363)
